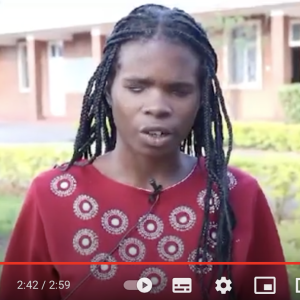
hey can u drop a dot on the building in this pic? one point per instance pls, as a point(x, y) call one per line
point(48, 55)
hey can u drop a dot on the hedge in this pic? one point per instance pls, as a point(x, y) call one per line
point(19, 164)
point(289, 95)
point(267, 136)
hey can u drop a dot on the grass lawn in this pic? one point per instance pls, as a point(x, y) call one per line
point(9, 208)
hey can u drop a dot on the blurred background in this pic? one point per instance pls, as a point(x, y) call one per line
point(49, 50)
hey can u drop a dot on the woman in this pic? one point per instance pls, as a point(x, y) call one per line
point(146, 192)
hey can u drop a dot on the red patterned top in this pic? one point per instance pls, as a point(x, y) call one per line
point(81, 216)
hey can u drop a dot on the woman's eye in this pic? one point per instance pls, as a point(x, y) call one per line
point(179, 93)
point(136, 89)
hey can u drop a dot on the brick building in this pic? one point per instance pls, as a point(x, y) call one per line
point(46, 60)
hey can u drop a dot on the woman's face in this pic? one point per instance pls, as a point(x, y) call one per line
point(155, 96)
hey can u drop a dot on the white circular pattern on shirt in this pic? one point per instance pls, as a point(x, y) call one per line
point(85, 242)
point(170, 248)
point(182, 218)
point(214, 202)
point(85, 207)
point(151, 227)
point(63, 185)
point(212, 234)
point(114, 221)
point(158, 278)
point(103, 272)
point(132, 250)
point(200, 268)
point(232, 180)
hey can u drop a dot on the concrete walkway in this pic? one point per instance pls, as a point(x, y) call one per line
point(41, 132)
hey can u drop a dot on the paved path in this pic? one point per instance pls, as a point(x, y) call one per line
point(36, 132)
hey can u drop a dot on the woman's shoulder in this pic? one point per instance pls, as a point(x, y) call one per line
point(62, 179)
point(242, 176)
point(243, 182)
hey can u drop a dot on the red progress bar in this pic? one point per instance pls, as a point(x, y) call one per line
point(152, 263)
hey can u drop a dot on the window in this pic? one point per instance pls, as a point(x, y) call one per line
point(294, 33)
point(23, 67)
point(56, 50)
point(244, 55)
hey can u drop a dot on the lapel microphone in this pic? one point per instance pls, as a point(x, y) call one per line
point(157, 188)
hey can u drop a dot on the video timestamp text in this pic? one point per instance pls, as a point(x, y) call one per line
point(43, 285)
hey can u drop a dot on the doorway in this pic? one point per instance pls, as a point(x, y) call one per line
point(295, 61)
point(57, 95)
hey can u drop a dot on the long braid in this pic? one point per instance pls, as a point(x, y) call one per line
point(146, 22)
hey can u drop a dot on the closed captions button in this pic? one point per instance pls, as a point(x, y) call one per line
point(131, 285)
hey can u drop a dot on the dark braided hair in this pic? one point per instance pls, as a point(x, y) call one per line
point(146, 22)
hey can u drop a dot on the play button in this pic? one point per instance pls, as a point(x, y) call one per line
point(144, 285)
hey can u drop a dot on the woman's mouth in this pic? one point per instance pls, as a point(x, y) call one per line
point(157, 133)
point(157, 136)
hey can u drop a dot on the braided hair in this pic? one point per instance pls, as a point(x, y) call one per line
point(97, 131)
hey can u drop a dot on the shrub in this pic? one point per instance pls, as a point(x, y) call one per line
point(266, 136)
point(19, 164)
point(289, 96)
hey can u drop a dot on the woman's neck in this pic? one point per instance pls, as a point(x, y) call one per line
point(137, 170)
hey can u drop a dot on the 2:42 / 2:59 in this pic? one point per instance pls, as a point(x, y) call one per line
point(36, 285)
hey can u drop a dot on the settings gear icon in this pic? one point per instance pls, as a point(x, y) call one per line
point(224, 281)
